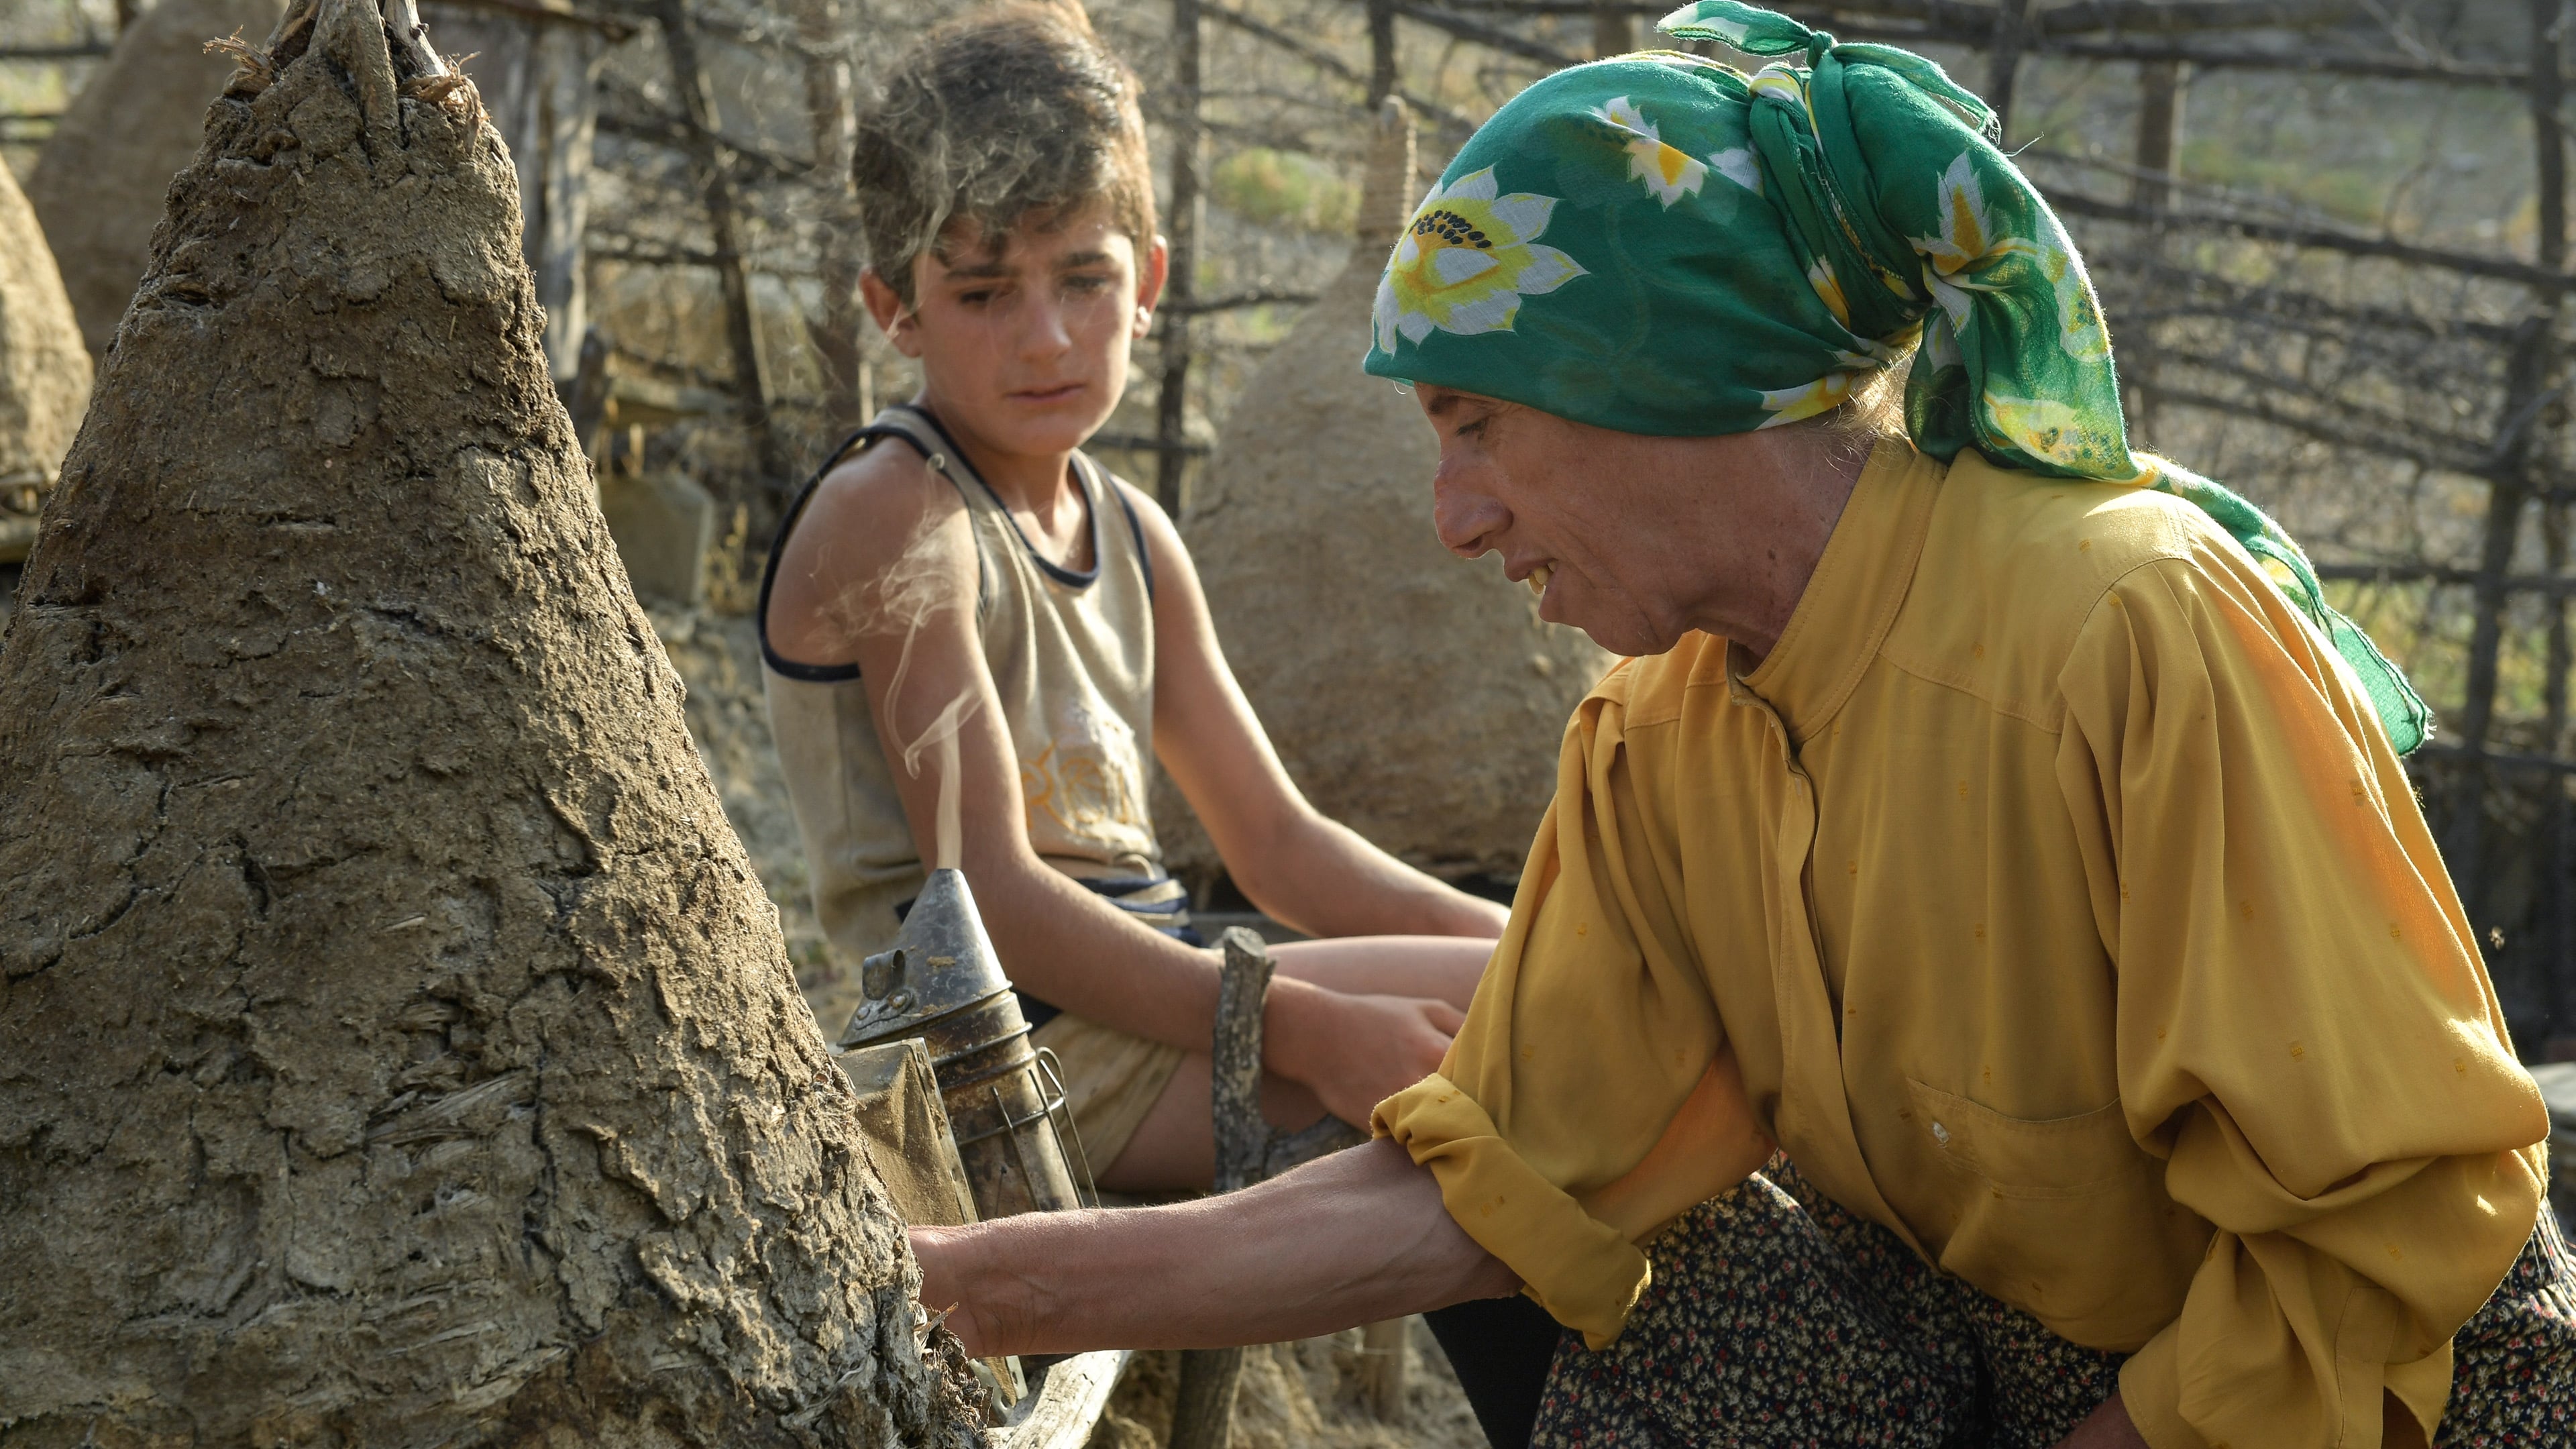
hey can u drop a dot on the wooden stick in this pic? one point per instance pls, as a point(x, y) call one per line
point(715, 187)
point(1171, 405)
point(1203, 1413)
point(1382, 1369)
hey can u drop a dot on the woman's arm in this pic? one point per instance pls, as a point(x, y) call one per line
point(1302, 869)
point(881, 572)
point(1357, 1237)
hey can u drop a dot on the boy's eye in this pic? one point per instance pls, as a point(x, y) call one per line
point(1087, 282)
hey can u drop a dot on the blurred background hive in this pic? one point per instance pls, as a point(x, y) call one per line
point(98, 188)
point(44, 371)
point(1413, 695)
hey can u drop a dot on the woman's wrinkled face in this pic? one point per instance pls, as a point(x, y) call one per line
point(1571, 508)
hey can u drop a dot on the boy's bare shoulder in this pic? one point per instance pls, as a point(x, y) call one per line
point(885, 484)
point(873, 508)
point(872, 517)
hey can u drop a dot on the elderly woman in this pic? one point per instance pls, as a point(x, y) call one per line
point(1992, 819)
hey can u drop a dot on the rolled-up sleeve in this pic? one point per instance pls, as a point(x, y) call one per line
point(1589, 1031)
point(2304, 1033)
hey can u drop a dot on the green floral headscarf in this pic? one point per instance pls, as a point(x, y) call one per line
point(1659, 244)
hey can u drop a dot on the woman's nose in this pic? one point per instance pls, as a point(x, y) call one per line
point(1467, 518)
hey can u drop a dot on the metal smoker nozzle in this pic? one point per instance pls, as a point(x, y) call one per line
point(942, 982)
point(941, 962)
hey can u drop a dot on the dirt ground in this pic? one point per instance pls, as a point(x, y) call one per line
point(1293, 1396)
point(1303, 1396)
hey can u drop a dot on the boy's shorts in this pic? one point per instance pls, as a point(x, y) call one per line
point(1112, 1080)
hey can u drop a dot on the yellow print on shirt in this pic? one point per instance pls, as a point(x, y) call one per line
point(1081, 790)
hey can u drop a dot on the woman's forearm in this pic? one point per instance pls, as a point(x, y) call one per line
point(1358, 1237)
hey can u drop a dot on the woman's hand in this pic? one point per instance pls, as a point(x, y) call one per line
point(948, 1285)
point(1355, 1051)
point(2107, 1427)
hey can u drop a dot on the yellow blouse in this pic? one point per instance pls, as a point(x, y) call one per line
point(2060, 903)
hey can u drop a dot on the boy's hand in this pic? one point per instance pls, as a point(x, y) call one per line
point(1355, 1051)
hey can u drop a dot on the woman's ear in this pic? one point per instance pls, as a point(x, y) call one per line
point(1153, 269)
point(900, 324)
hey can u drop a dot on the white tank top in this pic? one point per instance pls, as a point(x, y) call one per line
point(1072, 660)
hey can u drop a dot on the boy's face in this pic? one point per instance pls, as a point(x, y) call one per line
point(1024, 345)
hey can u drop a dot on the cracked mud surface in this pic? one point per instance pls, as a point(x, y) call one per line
point(396, 1046)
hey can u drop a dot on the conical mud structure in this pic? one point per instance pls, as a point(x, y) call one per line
point(1413, 695)
point(44, 370)
point(100, 181)
point(395, 1048)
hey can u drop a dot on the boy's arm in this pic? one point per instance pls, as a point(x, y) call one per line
point(1300, 868)
point(884, 558)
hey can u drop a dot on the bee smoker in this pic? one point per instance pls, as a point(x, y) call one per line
point(940, 981)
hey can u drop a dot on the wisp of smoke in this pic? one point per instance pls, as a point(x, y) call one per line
point(904, 597)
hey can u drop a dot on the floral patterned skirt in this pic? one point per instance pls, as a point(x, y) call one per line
point(1776, 1319)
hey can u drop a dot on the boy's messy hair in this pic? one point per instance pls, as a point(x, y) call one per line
point(1013, 111)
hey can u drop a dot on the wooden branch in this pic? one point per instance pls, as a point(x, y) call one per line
point(1384, 74)
point(1614, 30)
point(715, 185)
point(1069, 1404)
point(1464, 28)
point(2302, 61)
point(586, 393)
point(837, 325)
point(2527, 391)
point(1172, 402)
point(1203, 1413)
point(1331, 64)
point(1237, 301)
point(1242, 1133)
point(2140, 17)
point(2159, 137)
point(1957, 22)
point(750, 163)
point(2353, 424)
point(612, 28)
point(2004, 45)
point(78, 50)
point(2178, 17)
point(2324, 238)
point(2556, 586)
point(2323, 430)
point(1382, 1369)
point(2499, 759)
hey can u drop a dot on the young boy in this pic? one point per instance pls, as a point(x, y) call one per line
point(970, 563)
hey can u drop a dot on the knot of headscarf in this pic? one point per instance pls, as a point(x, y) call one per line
point(1660, 244)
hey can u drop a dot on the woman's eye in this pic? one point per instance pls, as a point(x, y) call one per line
point(975, 298)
